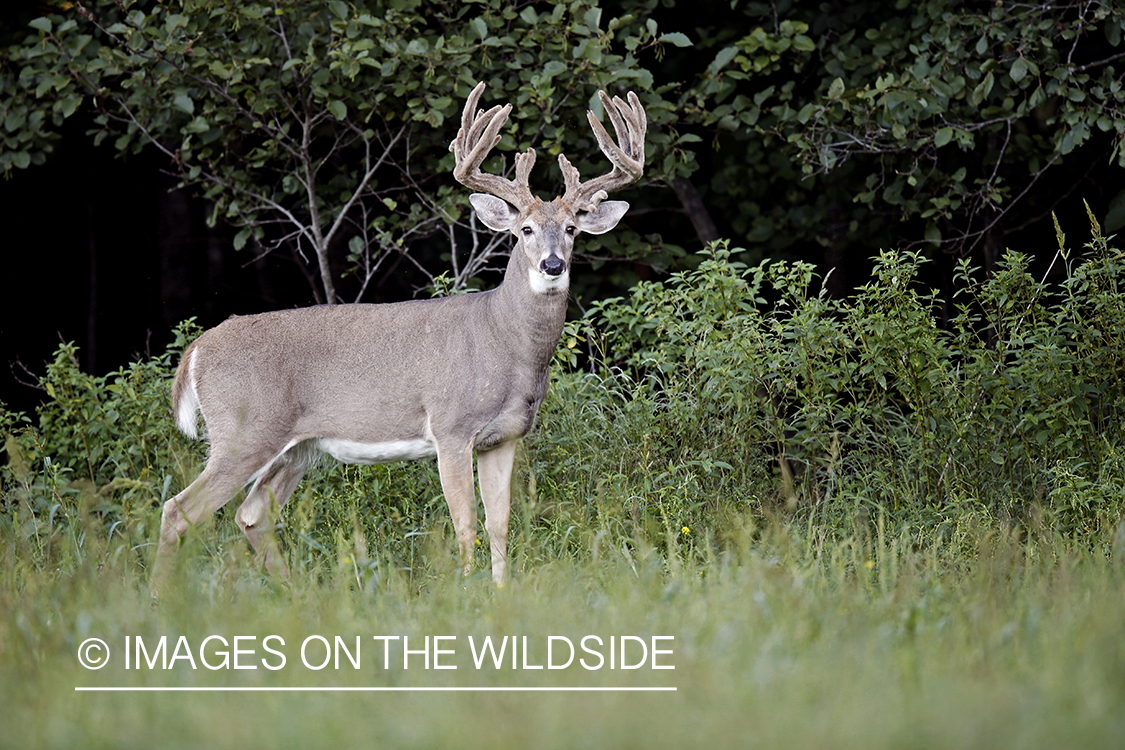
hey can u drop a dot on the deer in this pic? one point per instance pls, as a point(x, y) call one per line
point(446, 377)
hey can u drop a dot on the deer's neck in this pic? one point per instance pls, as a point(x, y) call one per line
point(532, 321)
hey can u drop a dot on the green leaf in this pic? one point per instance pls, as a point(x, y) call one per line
point(675, 38)
point(441, 102)
point(895, 98)
point(15, 120)
point(933, 233)
point(594, 53)
point(356, 245)
point(241, 237)
point(338, 109)
point(593, 17)
point(1019, 70)
point(339, 9)
point(68, 105)
point(42, 24)
point(943, 136)
point(981, 92)
point(836, 90)
point(1113, 33)
point(803, 43)
point(184, 103)
point(198, 125)
point(726, 54)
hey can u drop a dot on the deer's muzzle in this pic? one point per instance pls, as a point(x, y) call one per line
point(553, 266)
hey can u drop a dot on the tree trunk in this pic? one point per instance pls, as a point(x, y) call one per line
point(696, 210)
point(326, 275)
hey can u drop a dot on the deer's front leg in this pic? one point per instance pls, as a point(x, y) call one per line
point(494, 469)
point(455, 466)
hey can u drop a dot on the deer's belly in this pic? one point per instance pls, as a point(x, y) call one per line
point(352, 452)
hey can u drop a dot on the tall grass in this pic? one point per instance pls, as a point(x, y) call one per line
point(781, 640)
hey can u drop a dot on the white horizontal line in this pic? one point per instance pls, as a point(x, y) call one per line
point(368, 689)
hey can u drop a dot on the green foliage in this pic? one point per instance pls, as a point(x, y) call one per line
point(817, 129)
point(946, 122)
point(103, 451)
point(874, 404)
point(325, 127)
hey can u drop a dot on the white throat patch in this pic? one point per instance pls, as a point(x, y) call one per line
point(541, 283)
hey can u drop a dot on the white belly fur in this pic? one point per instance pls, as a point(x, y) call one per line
point(351, 452)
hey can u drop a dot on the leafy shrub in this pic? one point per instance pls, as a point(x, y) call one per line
point(103, 449)
point(875, 404)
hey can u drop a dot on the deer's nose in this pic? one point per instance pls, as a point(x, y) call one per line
point(553, 266)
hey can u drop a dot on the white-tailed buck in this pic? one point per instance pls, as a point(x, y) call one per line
point(378, 383)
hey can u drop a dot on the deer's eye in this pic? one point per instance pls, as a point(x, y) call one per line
point(526, 231)
point(571, 230)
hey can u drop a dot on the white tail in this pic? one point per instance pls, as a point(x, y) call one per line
point(187, 402)
point(377, 383)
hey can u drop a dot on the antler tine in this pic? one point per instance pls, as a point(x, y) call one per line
point(628, 159)
point(470, 107)
point(477, 136)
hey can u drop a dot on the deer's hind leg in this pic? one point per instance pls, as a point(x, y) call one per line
point(224, 475)
point(258, 514)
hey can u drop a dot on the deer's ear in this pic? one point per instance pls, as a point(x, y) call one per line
point(498, 215)
point(603, 219)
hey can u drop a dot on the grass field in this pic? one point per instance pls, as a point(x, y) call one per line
point(781, 641)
